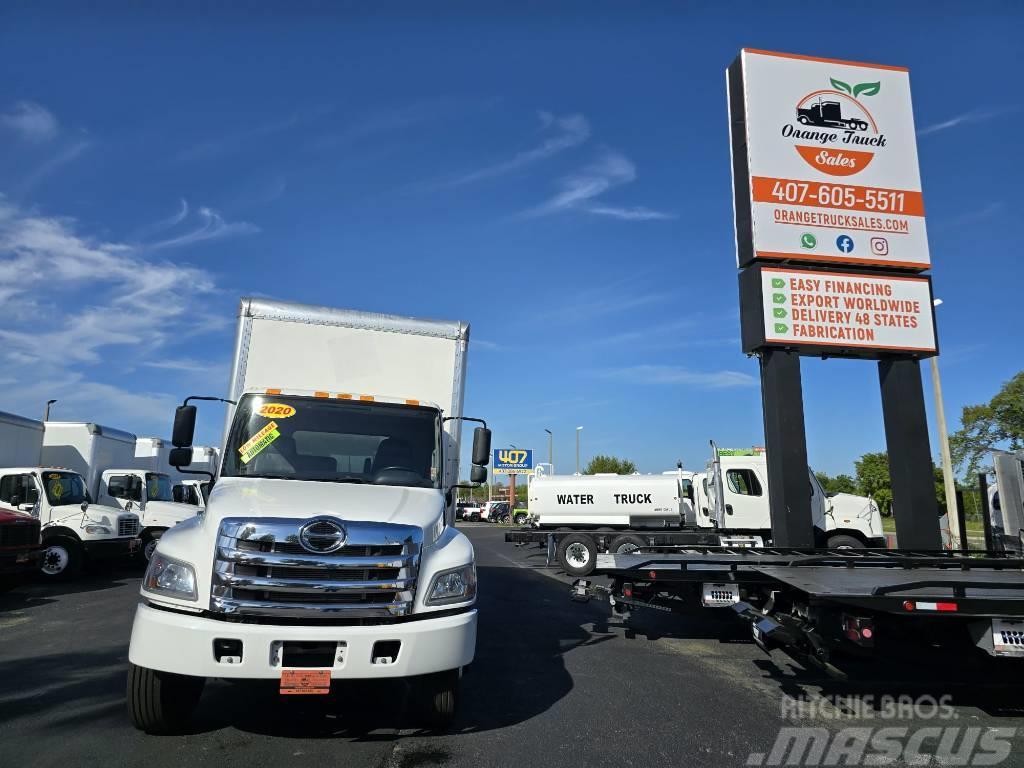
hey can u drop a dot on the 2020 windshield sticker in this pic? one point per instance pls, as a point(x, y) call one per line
point(276, 411)
point(258, 442)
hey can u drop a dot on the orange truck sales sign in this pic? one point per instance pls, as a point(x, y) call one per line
point(825, 167)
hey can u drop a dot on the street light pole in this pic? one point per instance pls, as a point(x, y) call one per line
point(551, 450)
point(46, 413)
point(578, 430)
point(953, 519)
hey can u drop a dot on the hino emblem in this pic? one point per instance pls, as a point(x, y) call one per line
point(322, 535)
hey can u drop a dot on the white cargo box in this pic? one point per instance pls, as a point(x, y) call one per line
point(633, 501)
point(21, 441)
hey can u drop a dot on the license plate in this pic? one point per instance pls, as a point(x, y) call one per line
point(305, 681)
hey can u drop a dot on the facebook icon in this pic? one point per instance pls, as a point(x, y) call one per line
point(844, 243)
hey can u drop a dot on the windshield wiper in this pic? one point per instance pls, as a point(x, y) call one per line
point(333, 479)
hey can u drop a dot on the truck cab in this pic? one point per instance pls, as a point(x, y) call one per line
point(148, 494)
point(73, 528)
point(843, 521)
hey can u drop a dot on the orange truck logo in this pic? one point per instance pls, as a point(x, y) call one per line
point(843, 135)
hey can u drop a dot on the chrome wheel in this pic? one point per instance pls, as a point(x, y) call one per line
point(55, 560)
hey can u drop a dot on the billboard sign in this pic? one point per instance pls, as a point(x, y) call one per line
point(825, 166)
point(837, 313)
point(513, 461)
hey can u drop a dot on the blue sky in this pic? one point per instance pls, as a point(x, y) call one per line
point(557, 174)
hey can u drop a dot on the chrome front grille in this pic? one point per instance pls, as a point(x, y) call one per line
point(128, 525)
point(262, 569)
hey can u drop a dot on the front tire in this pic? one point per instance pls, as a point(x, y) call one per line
point(842, 541)
point(438, 699)
point(577, 554)
point(62, 558)
point(161, 702)
point(149, 542)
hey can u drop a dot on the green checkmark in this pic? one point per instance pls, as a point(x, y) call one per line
point(779, 298)
point(778, 282)
point(779, 312)
point(781, 328)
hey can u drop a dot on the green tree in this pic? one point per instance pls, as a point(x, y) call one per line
point(837, 484)
point(602, 463)
point(873, 479)
point(997, 423)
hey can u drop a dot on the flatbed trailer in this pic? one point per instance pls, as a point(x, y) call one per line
point(818, 601)
point(577, 551)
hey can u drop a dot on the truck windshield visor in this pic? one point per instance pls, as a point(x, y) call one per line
point(344, 441)
point(64, 488)
point(158, 487)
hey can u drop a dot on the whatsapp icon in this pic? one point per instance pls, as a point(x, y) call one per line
point(808, 241)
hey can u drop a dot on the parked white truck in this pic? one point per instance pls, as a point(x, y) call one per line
point(73, 528)
point(115, 476)
point(621, 513)
point(327, 551)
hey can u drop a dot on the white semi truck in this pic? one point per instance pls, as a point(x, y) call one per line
point(115, 476)
point(327, 550)
point(589, 514)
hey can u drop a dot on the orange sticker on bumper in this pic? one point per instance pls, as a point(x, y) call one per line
point(305, 681)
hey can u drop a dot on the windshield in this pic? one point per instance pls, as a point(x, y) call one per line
point(64, 488)
point(307, 438)
point(158, 487)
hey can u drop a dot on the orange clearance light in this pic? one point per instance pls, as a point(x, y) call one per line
point(412, 402)
point(321, 394)
point(366, 397)
point(344, 396)
point(273, 391)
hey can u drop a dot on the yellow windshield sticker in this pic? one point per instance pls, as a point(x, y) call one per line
point(56, 489)
point(54, 476)
point(258, 442)
point(276, 411)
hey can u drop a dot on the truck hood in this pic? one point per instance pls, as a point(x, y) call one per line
point(14, 517)
point(243, 496)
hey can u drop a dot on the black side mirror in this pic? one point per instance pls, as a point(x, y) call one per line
point(478, 474)
point(180, 457)
point(134, 489)
point(481, 447)
point(448, 495)
point(33, 497)
point(15, 501)
point(184, 426)
point(84, 505)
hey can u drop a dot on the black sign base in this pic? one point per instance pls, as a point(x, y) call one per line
point(789, 486)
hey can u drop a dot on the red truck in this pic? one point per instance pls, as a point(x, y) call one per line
point(20, 547)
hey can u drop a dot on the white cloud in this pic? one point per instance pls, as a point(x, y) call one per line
point(55, 163)
point(579, 191)
point(32, 122)
point(671, 374)
point(210, 226)
point(92, 303)
point(965, 118)
point(563, 133)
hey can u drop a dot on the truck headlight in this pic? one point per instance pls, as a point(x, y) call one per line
point(97, 530)
point(167, 576)
point(456, 585)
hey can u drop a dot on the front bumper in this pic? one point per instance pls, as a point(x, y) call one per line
point(22, 561)
point(99, 549)
point(183, 643)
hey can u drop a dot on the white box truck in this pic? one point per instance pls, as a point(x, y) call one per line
point(107, 459)
point(196, 491)
point(327, 551)
point(21, 440)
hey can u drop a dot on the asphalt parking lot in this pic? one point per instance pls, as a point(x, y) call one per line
point(554, 683)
